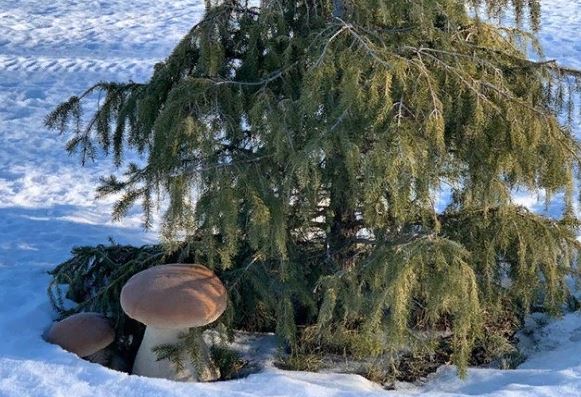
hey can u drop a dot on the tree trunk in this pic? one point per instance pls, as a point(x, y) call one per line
point(342, 238)
point(344, 223)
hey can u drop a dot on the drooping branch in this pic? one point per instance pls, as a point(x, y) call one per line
point(549, 64)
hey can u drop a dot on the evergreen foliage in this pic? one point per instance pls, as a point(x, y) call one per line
point(229, 362)
point(299, 146)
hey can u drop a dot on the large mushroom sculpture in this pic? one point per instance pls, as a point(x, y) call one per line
point(169, 300)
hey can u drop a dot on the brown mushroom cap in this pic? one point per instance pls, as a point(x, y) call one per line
point(174, 296)
point(82, 333)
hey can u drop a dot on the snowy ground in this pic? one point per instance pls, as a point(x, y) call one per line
point(50, 50)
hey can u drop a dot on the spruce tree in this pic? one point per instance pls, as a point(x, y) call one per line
point(302, 145)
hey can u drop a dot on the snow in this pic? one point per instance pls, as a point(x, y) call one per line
point(51, 50)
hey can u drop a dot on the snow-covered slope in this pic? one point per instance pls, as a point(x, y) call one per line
point(50, 50)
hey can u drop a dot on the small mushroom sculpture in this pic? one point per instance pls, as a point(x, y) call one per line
point(85, 334)
point(169, 300)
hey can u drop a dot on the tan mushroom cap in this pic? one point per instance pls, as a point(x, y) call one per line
point(82, 333)
point(174, 296)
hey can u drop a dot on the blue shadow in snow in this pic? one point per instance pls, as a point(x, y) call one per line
point(46, 235)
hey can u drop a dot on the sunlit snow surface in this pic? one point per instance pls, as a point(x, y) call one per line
point(50, 50)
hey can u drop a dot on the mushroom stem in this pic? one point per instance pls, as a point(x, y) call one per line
point(147, 363)
point(101, 357)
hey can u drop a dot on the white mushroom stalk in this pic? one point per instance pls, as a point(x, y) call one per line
point(169, 300)
point(147, 362)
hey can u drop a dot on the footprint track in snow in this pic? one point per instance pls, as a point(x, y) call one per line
point(66, 26)
point(33, 64)
point(49, 52)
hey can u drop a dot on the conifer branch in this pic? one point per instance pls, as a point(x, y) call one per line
point(549, 64)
